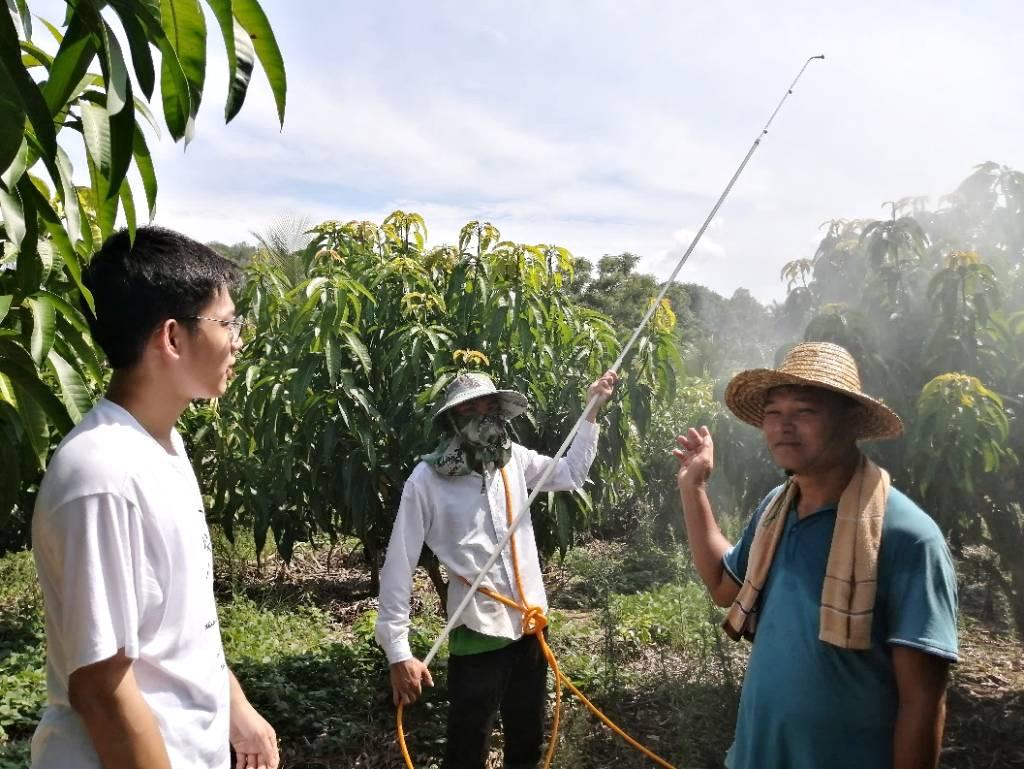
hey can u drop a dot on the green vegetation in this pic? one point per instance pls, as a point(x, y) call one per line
point(51, 224)
point(22, 658)
point(355, 336)
point(358, 327)
point(629, 625)
point(931, 301)
point(320, 679)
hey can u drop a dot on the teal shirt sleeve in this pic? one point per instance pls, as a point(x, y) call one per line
point(921, 595)
point(735, 561)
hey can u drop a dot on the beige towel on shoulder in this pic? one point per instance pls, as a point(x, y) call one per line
point(848, 594)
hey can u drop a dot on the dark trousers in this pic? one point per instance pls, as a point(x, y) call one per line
point(512, 681)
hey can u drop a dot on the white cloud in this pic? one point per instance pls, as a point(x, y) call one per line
point(609, 129)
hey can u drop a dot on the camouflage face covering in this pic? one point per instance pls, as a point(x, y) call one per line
point(481, 440)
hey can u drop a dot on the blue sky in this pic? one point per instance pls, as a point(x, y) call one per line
point(607, 126)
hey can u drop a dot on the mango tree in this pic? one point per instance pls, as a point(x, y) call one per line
point(961, 440)
point(340, 375)
point(937, 323)
point(50, 371)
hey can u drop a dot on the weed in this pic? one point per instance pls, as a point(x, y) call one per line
point(22, 648)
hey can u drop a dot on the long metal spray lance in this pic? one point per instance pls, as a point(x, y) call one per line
point(457, 614)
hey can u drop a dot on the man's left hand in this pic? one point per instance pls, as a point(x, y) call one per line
point(602, 389)
point(253, 739)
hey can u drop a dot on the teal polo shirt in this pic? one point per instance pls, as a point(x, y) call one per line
point(806, 704)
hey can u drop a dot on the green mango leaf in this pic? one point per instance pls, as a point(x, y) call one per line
point(29, 270)
point(144, 164)
point(69, 196)
point(356, 346)
point(254, 21)
point(17, 365)
point(334, 357)
point(128, 206)
point(54, 32)
point(251, 373)
point(177, 102)
point(44, 323)
point(185, 27)
point(122, 140)
point(12, 210)
point(115, 72)
point(109, 139)
point(141, 108)
point(5, 306)
point(35, 427)
point(142, 56)
point(359, 396)
point(96, 130)
point(300, 382)
point(59, 239)
point(106, 205)
point(80, 348)
point(240, 54)
point(12, 128)
point(17, 77)
point(10, 460)
point(73, 389)
point(71, 63)
point(22, 159)
point(174, 85)
point(20, 7)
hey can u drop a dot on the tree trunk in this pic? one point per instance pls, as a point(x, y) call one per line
point(433, 567)
point(1006, 525)
point(370, 553)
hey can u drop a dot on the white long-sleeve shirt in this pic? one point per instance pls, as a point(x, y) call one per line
point(462, 525)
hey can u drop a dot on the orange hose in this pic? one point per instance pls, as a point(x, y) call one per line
point(534, 623)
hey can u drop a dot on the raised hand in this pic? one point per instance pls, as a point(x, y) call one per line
point(603, 389)
point(696, 455)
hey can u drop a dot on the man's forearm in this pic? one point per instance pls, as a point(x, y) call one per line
point(238, 700)
point(707, 543)
point(123, 729)
point(917, 738)
point(237, 695)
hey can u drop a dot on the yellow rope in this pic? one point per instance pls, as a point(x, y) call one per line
point(534, 623)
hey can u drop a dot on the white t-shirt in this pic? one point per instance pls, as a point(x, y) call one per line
point(125, 561)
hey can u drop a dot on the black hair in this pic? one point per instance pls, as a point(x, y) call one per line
point(138, 285)
point(842, 400)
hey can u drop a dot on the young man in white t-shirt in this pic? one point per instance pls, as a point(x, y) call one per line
point(136, 676)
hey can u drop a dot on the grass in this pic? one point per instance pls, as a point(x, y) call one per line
point(629, 624)
point(22, 657)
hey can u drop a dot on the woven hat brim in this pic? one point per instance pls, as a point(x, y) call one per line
point(746, 393)
point(512, 403)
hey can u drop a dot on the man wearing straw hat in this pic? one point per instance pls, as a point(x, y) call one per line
point(458, 501)
point(844, 585)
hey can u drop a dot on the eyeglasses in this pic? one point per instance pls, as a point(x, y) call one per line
point(237, 325)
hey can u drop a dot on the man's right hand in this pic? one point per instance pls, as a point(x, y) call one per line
point(696, 455)
point(407, 680)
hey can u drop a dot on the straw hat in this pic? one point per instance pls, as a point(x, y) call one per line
point(471, 385)
point(814, 364)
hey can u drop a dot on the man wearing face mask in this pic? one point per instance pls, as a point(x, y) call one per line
point(458, 501)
